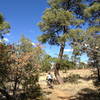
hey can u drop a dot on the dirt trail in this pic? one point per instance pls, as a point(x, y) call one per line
point(56, 94)
point(60, 95)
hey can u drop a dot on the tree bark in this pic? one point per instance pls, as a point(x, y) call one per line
point(15, 86)
point(57, 75)
point(57, 66)
point(96, 63)
point(98, 73)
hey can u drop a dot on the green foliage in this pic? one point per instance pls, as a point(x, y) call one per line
point(53, 22)
point(65, 64)
point(72, 78)
point(92, 13)
point(57, 23)
point(1, 19)
point(52, 25)
point(58, 16)
point(46, 63)
point(83, 65)
point(25, 44)
point(89, 41)
point(44, 38)
point(75, 33)
point(91, 38)
point(4, 26)
point(89, 11)
point(92, 30)
point(75, 6)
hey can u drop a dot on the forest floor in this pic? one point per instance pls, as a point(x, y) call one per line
point(82, 89)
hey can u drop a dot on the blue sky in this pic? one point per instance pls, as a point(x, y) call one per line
point(23, 16)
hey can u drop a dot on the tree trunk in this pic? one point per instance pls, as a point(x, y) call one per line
point(57, 75)
point(98, 73)
point(57, 66)
point(15, 86)
point(96, 63)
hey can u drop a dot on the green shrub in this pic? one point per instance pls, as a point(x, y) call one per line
point(73, 78)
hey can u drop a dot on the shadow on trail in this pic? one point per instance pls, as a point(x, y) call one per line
point(86, 94)
point(48, 93)
point(62, 98)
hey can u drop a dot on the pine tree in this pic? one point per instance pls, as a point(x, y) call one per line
point(56, 25)
point(92, 14)
point(89, 40)
point(4, 26)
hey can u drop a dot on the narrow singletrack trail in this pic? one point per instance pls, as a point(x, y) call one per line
point(56, 94)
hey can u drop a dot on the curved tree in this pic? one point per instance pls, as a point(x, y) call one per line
point(56, 24)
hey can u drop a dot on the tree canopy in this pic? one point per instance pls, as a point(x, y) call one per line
point(4, 26)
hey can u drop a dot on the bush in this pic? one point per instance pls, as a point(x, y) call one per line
point(73, 78)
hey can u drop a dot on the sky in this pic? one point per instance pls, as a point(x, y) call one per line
point(23, 17)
